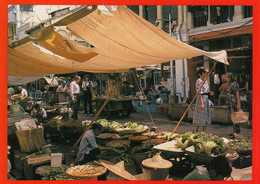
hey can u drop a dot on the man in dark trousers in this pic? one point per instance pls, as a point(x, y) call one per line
point(75, 96)
point(87, 85)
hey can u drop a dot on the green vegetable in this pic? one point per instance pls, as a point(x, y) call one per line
point(185, 144)
point(208, 146)
point(240, 145)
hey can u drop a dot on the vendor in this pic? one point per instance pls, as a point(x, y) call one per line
point(24, 93)
point(126, 90)
point(88, 148)
point(217, 170)
point(62, 90)
point(39, 113)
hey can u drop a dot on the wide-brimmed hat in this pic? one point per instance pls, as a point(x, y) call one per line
point(118, 169)
point(157, 162)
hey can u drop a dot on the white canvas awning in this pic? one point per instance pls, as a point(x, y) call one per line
point(122, 40)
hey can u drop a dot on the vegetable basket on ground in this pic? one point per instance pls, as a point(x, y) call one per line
point(85, 172)
point(241, 147)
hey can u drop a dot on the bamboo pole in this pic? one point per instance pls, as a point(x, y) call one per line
point(140, 88)
point(102, 107)
point(191, 103)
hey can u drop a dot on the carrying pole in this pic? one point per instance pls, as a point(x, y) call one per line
point(102, 107)
point(191, 102)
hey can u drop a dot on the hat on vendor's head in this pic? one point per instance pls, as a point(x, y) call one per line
point(157, 162)
point(118, 169)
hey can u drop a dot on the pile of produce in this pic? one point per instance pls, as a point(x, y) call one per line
point(109, 126)
point(203, 143)
point(86, 170)
point(55, 174)
point(86, 122)
point(146, 146)
point(132, 126)
point(121, 151)
point(166, 135)
point(240, 145)
point(114, 126)
point(56, 123)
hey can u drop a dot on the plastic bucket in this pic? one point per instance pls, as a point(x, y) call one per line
point(56, 159)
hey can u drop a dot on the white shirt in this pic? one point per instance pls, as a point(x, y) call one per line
point(24, 93)
point(87, 84)
point(87, 143)
point(159, 101)
point(74, 89)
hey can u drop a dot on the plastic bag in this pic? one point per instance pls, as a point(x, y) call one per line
point(239, 117)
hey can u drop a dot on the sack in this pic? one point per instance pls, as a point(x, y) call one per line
point(239, 117)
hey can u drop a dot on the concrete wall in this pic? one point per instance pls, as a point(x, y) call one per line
point(27, 19)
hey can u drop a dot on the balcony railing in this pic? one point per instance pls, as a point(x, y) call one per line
point(200, 19)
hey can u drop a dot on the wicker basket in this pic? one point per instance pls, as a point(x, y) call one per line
point(77, 176)
point(30, 140)
point(232, 155)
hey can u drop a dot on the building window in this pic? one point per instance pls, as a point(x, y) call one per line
point(150, 13)
point(28, 8)
point(11, 30)
point(200, 15)
point(248, 11)
point(166, 11)
point(134, 8)
point(221, 14)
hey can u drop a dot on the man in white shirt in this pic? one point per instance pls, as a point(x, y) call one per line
point(75, 96)
point(24, 93)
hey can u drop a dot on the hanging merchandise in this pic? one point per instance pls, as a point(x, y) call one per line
point(216, 79)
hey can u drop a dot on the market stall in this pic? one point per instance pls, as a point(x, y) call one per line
point(117, 105)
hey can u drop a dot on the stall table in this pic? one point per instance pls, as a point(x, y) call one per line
point(181, 162)
point(116, 106)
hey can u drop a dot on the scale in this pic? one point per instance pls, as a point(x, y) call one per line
point(17, 110)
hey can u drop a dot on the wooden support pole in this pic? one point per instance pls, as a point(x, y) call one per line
point(141, 89)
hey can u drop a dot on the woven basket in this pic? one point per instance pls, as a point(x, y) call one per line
point(85, 177)
point(232, 155)
point(30, 140)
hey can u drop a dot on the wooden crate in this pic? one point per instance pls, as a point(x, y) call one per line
point(30, 140)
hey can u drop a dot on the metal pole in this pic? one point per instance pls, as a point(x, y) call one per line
point(102, 107)
point(191, 102)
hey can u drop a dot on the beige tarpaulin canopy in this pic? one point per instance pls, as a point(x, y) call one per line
point(121, 40)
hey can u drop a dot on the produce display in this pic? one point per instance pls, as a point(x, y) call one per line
point(118, 143)
point(105, 136)
point(114, 126)
point(240, 145)
point(56, 175)
point(86, 171)
point(166, 135)
point(138, 138)
point(203, 143)
point(146, 146)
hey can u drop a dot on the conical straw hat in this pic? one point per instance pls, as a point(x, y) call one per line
point(157, 162)
point(118, 169)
